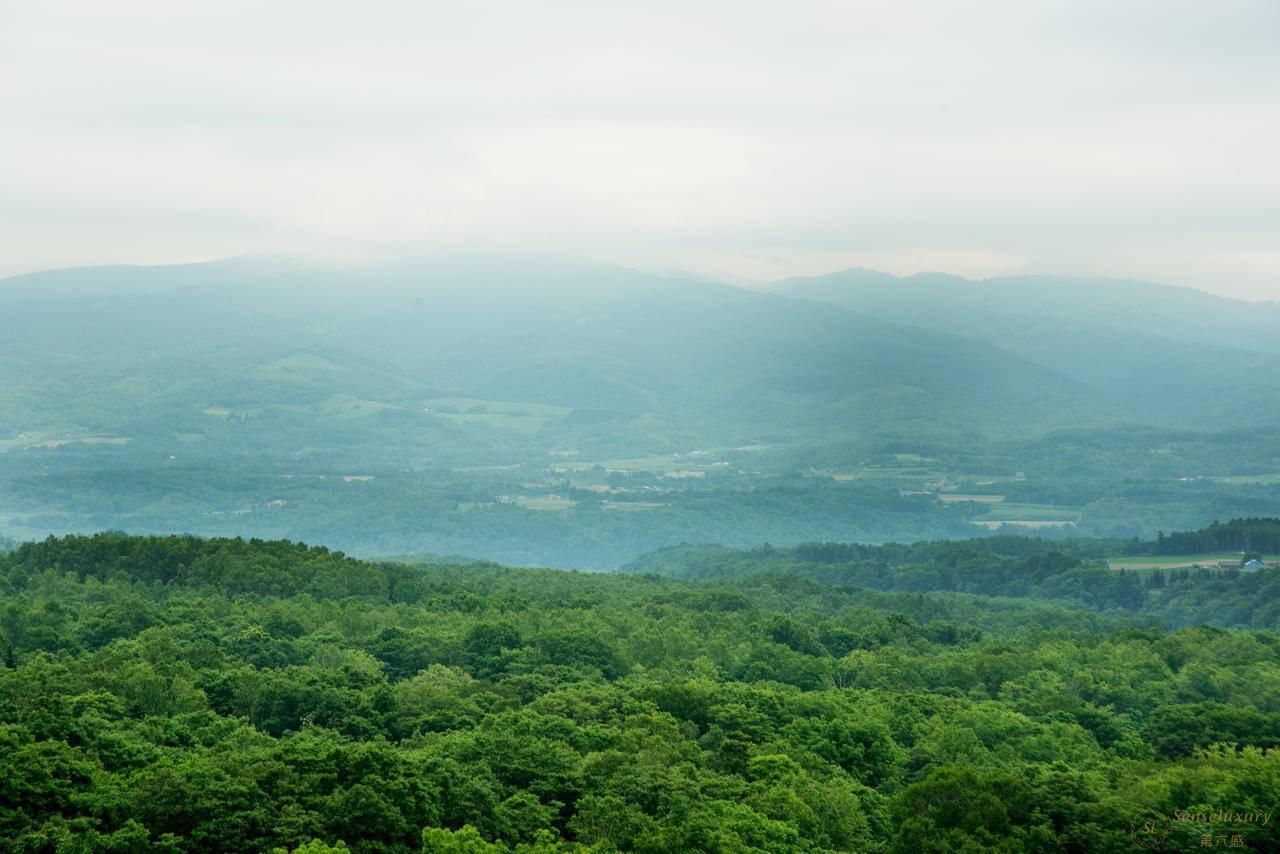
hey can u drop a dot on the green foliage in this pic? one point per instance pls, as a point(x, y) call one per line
point(315, 846)
point(1023, 567)
point(1239, 535)
point(176, 694)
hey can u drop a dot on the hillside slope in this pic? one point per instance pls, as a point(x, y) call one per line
point(618, 344)
point(1154, 352)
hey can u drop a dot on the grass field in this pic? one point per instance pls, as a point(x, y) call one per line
point(924, 471)
point(548, 503)
point(516, 416)
point(1151, 562)
point(347, 406)
point(632, 506)
point(983, 478)
point(921, 473)
point(913, 476)
point(1028, 516)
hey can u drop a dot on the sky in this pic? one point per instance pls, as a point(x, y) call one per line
point(741, 140)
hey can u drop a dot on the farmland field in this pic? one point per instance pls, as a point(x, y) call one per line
point(548, 502)
point(633, 506)
point(1175, 561)
point(1028, 516)
point(516, 416)
point(902, 472)
point(347, 406)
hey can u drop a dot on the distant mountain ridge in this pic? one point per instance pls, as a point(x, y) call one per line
point(540, 410)
point(705, 355)
point(1156, 352)
point(931, 352)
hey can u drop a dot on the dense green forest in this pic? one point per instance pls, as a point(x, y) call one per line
point(1073, 572)
point(1238, 535)
point(181, 694)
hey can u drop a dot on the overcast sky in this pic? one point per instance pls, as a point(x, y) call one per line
point(739, 139)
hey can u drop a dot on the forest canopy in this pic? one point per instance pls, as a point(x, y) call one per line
point(178, 694)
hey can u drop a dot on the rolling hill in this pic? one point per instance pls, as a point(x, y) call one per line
point(613, 346)
point(1156, 353)
point(537, 411)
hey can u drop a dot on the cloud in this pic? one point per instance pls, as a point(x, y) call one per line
point(746, 139)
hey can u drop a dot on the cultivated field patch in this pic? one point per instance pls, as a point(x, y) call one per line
point(1150, 562)
point(633, 506)
point(515, 416)
point(1015, 512)
point(547, 502)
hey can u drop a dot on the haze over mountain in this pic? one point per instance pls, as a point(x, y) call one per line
point(1009, 356)
point(1156, 352)
point(604, 342)
point(542, 410)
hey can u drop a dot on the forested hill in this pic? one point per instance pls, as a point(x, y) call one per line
point(231, 566)
point(541, 411)
point(1156, 351)
point(634, 349)
point(177, 694)
point(1238, 535)
point(1070, 571)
